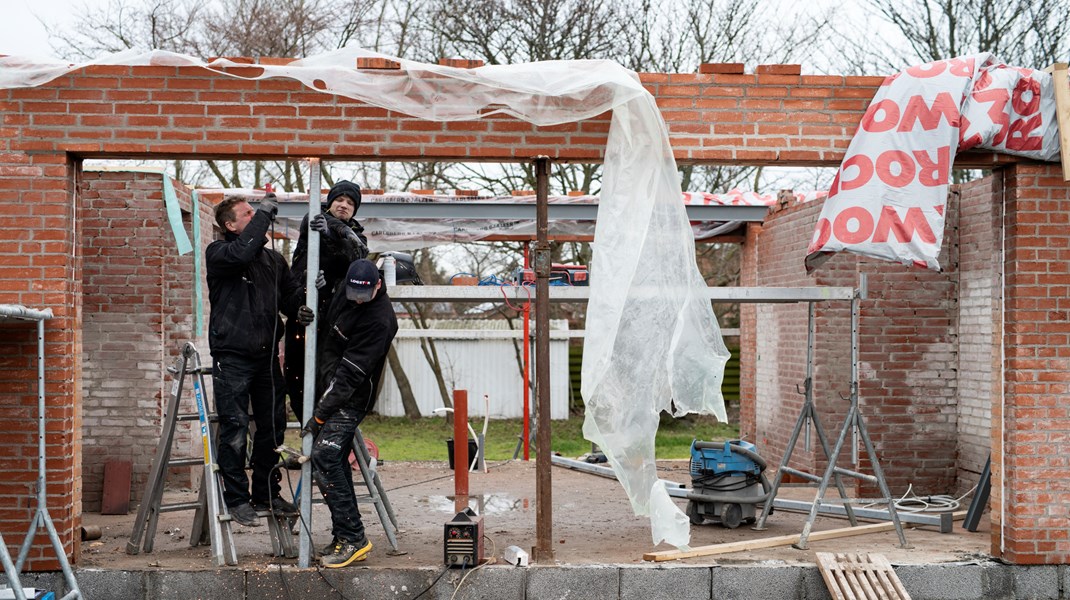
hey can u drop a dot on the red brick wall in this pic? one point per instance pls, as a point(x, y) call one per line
point(137, 312)
point(40, 267)
point(907, 359)
point(167, 112)
point(1031, 426)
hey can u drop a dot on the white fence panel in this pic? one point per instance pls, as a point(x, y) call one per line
point(482, 362)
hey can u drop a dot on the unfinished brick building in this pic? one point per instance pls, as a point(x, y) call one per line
point(954, 364)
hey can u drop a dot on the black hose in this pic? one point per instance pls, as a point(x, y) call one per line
point(735, 447)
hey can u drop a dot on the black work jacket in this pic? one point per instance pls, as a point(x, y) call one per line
point(248, 285)
point(336, 254)
point(354, 351)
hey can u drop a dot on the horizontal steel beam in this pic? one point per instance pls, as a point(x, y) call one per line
point(491, 211)
point(17, 311)
point(564, 293)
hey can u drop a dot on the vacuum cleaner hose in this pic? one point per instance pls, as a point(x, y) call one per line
point(758, 460)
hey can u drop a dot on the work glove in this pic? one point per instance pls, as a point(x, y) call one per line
point(319, 223)
point(305, 315)
point(312, 428)
point(270, 205)
point(321, 280)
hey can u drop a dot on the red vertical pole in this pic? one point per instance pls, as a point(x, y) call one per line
point(527, 367)
point(460, 449)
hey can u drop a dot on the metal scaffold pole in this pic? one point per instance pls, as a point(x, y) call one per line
point(304, 557)
point(543, 550)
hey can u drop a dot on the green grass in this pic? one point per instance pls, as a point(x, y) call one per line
point(400, 439)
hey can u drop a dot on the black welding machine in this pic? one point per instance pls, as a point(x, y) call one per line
point(727, 483)
point(464, 540)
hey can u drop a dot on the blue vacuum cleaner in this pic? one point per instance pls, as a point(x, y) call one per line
point(727, 483)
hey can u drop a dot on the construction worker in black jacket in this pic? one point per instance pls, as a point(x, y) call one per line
point(248, 285)
point(360, 325)
point(342, 241)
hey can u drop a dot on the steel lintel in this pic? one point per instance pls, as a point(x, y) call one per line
point(517, 211)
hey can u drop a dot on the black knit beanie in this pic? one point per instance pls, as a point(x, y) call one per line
point(347, 189)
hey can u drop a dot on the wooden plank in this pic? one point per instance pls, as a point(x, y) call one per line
point(1062, 113)
point(772, 542)
point(116, 496)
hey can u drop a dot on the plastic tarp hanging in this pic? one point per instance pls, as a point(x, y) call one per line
point(659, 346)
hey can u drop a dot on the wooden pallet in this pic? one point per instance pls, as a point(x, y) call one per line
point(860, 577)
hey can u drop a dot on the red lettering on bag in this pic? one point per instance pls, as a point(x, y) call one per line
point(961, 67)
point(890, 111)
point(943, 106)
point(928, 69)
point(864, 221)
point(1019, 138)
point(865, 172)
point(932, 173)
point(906, 168)
point(821, 236)
point(967, 143)
point(905, 229)
point(998, 98)
point(1023, 106)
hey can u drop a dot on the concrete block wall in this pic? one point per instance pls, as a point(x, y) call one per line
point(137, 311)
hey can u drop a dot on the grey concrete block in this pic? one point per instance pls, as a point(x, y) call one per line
point(943, 581)
point(686, 583)
point(353, 582)
point(94, 583)
point(203, 585)
point(759, 583)
point(592, 582)
point(504, 582)
point(1034, 582)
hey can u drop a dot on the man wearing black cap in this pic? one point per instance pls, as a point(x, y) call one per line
point(360, 325)
point(342, 241)
point(248, 284)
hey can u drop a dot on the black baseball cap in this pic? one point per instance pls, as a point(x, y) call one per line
point(361, 280)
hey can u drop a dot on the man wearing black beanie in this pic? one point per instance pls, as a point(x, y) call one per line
point(342, 241)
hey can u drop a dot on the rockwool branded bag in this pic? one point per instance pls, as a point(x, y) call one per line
point(888, 198)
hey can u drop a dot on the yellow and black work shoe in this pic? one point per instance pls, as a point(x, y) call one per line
point(347, 553)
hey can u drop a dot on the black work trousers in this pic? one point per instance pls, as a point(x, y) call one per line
point(330, 458)
point(240, 383)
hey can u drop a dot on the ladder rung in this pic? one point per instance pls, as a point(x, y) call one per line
point(802, 474)
point(850, 473)
point(179, 506)
point(185, 462)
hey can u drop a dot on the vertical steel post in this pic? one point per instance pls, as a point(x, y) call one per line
point(543, 550)
point(527, 364)
point(304, 557)
point(460, 450)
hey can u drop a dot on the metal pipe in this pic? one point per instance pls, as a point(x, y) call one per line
point(460, 450)
point(527, 365)
point(21, 312)
point(304, 556)
point(543, 551)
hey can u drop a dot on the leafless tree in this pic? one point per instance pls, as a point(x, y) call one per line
point(1026, 33)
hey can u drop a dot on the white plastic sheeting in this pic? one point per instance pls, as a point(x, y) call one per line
point(659, 346)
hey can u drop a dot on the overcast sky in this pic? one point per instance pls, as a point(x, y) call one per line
point(21, 31)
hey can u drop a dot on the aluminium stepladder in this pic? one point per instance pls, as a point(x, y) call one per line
point(211, 511)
